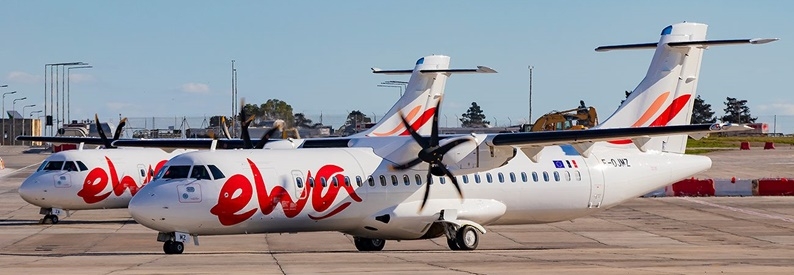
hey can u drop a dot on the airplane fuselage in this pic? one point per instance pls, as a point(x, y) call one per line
point(92, 179)
point(352, 190)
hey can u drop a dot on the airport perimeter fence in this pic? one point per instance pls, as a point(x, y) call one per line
point(780, 124)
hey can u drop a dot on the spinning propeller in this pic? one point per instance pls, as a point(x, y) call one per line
point(104, 137)
point(432, 154)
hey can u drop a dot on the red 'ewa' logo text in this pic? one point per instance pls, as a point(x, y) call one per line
point(229, 204)
point(97, 181)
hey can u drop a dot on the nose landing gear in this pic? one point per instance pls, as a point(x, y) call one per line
point(173, 247)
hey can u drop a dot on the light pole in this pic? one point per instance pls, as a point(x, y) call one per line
point(4, 114)
point(69, 89)
point(23, 119)
point(49, 111)
point(13, 120)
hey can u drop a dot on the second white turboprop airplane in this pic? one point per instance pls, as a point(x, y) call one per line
point(371, 188)
point(108, 178)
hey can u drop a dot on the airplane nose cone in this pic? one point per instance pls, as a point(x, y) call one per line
point(32, 192)
point(151, 207)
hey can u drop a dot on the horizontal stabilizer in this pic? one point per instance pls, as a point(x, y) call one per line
point(479, 69)
point(700, 44)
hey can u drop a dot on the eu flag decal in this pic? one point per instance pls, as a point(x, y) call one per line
point(559, 164)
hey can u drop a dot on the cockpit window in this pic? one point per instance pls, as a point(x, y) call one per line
point(82, 166)
point(70, 166)
point(200, 172)
point(41, 167)
point(53, 166)
point(161, 172)
point(216, 173)
point(177, 172)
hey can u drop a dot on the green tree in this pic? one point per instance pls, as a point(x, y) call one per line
point(357, 117)
point(474, 117)
point(302, 121)
point(701, 112)
point(736, 111)
point(276, 109)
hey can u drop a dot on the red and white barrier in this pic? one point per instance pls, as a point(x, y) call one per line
point(693, 187)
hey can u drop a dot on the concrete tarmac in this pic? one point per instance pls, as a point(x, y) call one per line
point(672, 235)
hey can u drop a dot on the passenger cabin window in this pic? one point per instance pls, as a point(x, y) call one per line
point(216, 173)
point(442, 180)
point(382, 180)
point(418, 179)
point(359, 182)
point(406, 180)
point(477, 178)
point(347, 181)
point(501, 177)
point(200, 172)
point(143, 173)
point(323, 181)
point(465, 179)
point(512, 177)
point(556, 176)
point(371, 181)
point(567, 176)
point(488, 177)
point(578, 176)
point(82, 166)
point(524, 176)
point(334, 182)
point(394, 180)
point(53, 166)
point(177, 172)
point(311, 182)
point(545, 176)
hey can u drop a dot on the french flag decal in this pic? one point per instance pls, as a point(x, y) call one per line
point(574, 164)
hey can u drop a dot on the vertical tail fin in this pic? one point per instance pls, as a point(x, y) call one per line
point(666, 95)
point(426, 86)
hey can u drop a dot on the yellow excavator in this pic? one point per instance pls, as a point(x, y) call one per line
point(579, 118)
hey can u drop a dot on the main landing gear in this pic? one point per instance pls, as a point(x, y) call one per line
point(50, 215)
point(367, 244)
point(466, 238)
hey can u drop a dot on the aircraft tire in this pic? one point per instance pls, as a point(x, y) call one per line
point(51, 219)
point(467, 238)
point(453, 244)
point(367, 244)
point(172, 247)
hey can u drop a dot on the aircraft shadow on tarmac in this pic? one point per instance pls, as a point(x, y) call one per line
point(18, 222)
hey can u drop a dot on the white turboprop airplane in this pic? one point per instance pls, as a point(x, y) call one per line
point(108, 178)
point(371, 188)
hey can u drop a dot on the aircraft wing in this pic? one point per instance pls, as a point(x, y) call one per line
point(583, 139)
point(58, 140)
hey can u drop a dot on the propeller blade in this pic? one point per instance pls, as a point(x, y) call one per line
point(413, 133)
point(244, 122)
point(407, 165)
point(452, 144)
point(101, 132)
point(434, 128)
point(266, 137)
point(427, 190)
point(119, 128)
point(452, 178)
point(225, 128)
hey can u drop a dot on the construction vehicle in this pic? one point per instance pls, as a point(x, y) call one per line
point(579, 118)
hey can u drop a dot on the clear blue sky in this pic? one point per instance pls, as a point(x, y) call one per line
point(172, 58)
